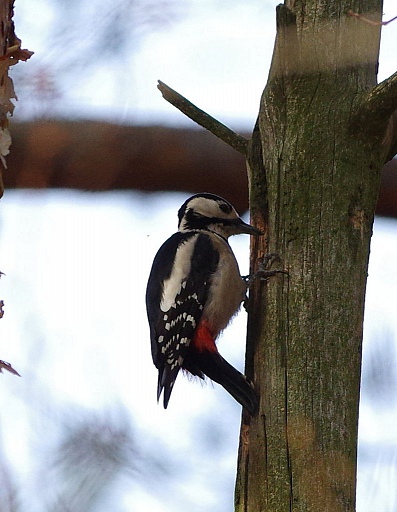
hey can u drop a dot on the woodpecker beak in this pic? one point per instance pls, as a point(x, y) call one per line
point(248, 229)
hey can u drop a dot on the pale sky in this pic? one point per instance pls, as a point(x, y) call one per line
point(216, 53)
point(76, 266)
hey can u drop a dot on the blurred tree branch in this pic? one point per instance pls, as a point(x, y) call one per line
point(88, 155)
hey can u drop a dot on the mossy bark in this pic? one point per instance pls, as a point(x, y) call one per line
point(314, 178)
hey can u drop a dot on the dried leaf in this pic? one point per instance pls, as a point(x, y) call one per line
point(5, 143)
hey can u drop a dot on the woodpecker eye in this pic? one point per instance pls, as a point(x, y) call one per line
point(226, 208)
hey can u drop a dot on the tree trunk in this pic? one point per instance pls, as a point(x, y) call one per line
point(319, 138)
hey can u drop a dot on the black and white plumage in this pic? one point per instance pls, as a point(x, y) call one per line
point(194, 289)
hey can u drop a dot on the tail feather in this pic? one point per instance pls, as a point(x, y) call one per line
point(166, 381)
point(235, 383)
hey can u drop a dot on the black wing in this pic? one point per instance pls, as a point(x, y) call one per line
point(172, 330)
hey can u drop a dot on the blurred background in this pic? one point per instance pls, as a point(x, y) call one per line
point(99, 166)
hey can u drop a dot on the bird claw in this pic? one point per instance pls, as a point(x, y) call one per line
point(264, 272)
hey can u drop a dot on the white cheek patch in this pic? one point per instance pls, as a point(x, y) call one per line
point(180, 272)
point(210, 208)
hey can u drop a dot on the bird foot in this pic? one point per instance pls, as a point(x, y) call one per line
point(263, 273)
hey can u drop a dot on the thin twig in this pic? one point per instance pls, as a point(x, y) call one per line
point(211, 124)
point(370, 22)
point(6, 366)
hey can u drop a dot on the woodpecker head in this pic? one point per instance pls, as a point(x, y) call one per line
point(208, 212)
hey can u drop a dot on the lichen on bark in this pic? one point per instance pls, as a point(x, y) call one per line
point(314, 178)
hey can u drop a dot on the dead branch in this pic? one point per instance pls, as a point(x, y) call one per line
point(208, 122)
point(367, 20)
point(6, 366)
point(376, 108)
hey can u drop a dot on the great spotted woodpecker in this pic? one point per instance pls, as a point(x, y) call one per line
point(194, 289)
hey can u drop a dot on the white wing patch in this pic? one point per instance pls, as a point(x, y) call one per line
point(179, 273)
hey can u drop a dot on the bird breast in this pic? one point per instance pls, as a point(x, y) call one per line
point(227, 289)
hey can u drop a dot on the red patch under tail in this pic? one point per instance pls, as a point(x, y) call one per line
point(203, 340)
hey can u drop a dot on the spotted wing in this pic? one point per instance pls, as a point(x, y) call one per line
point(182, 297)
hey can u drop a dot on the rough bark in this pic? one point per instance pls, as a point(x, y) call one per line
point(314, 166)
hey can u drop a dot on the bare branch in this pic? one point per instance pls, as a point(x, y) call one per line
point(211, 124)
point(367, 20)
point(6, 366)
point(376, 108)
point(3, 364)
point(390, 139)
